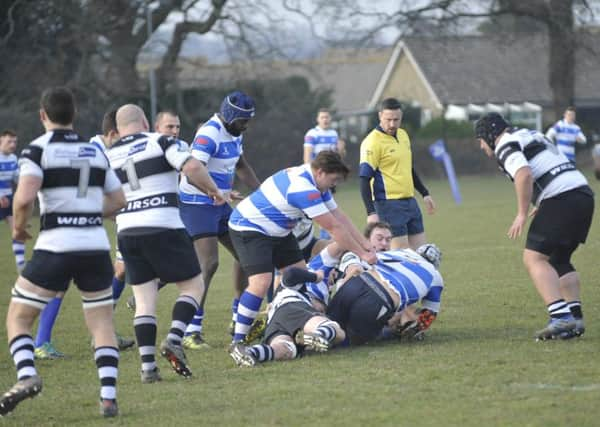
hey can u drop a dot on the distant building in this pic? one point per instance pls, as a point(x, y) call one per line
point(458, 77)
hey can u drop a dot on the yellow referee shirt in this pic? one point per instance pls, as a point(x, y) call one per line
point(387, 161)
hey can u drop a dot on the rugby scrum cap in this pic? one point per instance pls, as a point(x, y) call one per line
point(237, 105)
point(489, 127)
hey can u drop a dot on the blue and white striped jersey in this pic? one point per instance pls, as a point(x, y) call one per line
point(280, 202)
point(8, 173)
point(76, 175)
point(412, 276)
point(326, 263)
point(321, 140)
point(552, 172)
point(566, 135)
point(220, 151)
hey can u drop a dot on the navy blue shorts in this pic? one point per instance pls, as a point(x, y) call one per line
point(205, 220)
point(403, 215)
point(4, 212)
point(359, 310)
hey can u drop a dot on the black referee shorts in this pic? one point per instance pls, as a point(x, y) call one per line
point(562, 222)
point(168, 255)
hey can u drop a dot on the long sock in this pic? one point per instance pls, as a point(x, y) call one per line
point(19, 251)
point(559, 309)
point(262, 352)
point(575, 307)
point(183, 312)
point(234, 307)
point(117, 288)
point(21, 350)
point(145, 335)
point(246, 313)
point(327, 332)
point(46, 323)
point(107, 362)
point(196, 323)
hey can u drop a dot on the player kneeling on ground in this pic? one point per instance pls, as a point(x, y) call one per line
point(293, 324)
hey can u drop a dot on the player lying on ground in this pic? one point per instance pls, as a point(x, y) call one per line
point(368, 297)
point(294, 324)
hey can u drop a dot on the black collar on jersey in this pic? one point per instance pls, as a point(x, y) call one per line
point(65, 136)
point(129, 138)
point(380, 129)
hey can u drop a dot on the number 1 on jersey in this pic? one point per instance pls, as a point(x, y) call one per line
point(132, 178)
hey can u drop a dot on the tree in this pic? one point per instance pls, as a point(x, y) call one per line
point(439, 17)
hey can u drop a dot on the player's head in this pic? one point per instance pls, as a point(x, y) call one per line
point(328, 170)
point(236, 111)
point(131, 119)
point(431, 253)
point(167, 123)
point(569, 115)
point(109, 128)
point(8, 141)
point(488, 128)
point(379, 235)
point(324, 118)
point(390, 115)
point(57, 106)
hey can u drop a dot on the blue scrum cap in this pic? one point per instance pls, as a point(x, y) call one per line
point(237, 105)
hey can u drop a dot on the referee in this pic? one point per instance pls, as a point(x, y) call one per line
point(388, 180)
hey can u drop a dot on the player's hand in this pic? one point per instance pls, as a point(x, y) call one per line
point(236, 195)
point(516, 229)
point(20, 235)
point(219, 198)
point(372, 218)
point(4, 202)
point(369, 256)
point(320, 275)
point(429, 205)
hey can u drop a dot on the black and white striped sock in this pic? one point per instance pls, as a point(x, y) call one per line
point(559, 309)
point(262, 352)
point(21, 348)
point(145, 334)
point(183, 312)
point(107, 362)
point(327, 332)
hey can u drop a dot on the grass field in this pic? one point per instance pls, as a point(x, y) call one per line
point(478, 366)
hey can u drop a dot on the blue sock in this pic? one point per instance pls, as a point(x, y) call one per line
point(196, 324)
point(47, 319)
point(246, 313)
point(117, 288)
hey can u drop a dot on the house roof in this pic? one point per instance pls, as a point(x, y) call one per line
point(456, 70)
point(477, 69)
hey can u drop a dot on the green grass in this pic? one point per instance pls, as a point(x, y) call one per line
point(478, 366)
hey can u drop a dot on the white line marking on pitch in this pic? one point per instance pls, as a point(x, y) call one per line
point(542, 386)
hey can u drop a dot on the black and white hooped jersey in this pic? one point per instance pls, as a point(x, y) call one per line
point(552, 172)
point(147, 165)
point(304, 232)
point(75, 176)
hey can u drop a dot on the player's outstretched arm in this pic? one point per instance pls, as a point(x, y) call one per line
point(198, 175)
